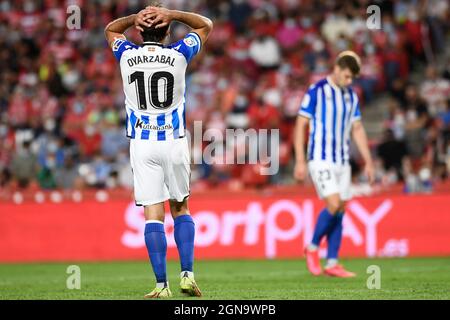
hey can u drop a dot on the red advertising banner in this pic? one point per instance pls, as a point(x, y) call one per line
point(236, 227)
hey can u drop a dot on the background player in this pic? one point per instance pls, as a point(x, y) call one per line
point(331, 110)
point(153, 78)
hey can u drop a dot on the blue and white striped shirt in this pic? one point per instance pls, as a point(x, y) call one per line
point(331, 111)
point(153, 79)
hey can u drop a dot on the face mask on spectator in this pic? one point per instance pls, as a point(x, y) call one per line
point(29, 7)
point(50, 162)
point(89, 130)
point(49, 125)
point(290, 23)
point(52, 147)
point(241, 101)
point(306, 22)
point(3, 131)
point(78, 107)
point(388, 28)
point(342, 44)
point(425, 174)
point(411, 115)
point(370, 49)
point(318, 45)
point(412, 16)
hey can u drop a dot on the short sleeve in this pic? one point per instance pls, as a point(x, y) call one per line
point(121, 45)
point(189, 46)
point(357, 113)
point(308, 106)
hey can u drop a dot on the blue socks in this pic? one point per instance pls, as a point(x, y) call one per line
point(324, 224)
point(155, 240)
point(334, 236)
point(184, 237)
point(331, 226)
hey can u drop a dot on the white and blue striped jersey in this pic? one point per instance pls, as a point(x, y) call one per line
point(153, 79)
point(331, 111)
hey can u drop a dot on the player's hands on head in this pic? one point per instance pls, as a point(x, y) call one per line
point(300, 171)
point(142, 19)
point(159, 17)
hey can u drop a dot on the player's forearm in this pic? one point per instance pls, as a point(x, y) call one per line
point(299, 140)
point(360, 137)
point(120, 25)
point(193, 20)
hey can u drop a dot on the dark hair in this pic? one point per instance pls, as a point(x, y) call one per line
point(349, 60)
point(152, 34)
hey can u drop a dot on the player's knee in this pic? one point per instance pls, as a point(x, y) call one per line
point(154, 215)
point(342, 206)
point(154, 212)
point(333, 206)
point(178, 208)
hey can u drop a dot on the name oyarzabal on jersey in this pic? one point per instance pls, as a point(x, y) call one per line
point(153, 78)
point(151, 59)
point(332, 111)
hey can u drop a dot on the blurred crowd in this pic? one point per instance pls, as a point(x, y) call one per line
point(62, 119)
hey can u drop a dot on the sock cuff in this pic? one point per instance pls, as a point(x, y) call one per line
point(187, 273)
point(332, 261)
point(154, 221)
point(162, 284)
point(327, 213)
point(183, 218)
point(154, 227)
point(339, 216)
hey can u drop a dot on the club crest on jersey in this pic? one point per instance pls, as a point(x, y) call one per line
point(117, 43)
point(190, 41)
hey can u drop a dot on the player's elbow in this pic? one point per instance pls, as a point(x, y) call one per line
point(107, 28)
point(209, 23)
point(107, 32)
point(205, 30)
point(357, 126)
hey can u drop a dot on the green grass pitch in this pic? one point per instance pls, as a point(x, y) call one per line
point(401, 278)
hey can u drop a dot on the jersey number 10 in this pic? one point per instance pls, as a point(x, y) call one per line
point(153, 89)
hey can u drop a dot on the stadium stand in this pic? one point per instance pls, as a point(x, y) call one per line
point(61, 103)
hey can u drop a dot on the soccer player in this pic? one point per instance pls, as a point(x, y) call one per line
point(153, 77)
point(331, 110)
